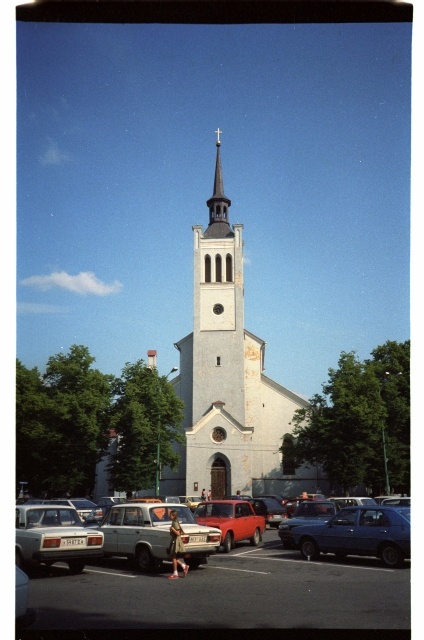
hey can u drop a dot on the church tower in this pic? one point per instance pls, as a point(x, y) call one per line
point(218, 305)
point(235, 417)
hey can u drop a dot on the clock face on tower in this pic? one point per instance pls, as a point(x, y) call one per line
point(218, 309)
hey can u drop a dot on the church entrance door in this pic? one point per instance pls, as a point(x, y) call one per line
point(219, 480)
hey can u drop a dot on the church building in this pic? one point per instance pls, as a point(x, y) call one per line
point(236, 418)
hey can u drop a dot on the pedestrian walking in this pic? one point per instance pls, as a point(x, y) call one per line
point(176, 547)
point(204, 496)
point(209, 495)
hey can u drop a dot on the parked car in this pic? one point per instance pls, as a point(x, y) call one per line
point(191, 501)
point(379, 499)
point(46, 534)
point(24, 616)
point(96, 516)
point(352, 501)
point(142, 500)
point(82, 505)
point(383, 532)
point(401, 502)
point(273, 512)
point(277, 497)
point(308, 512)
point(236, 520)
point(172, 499)
point(140, 531)
point(108, 500)
point(240, 497)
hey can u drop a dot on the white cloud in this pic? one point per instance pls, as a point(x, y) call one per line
point(85, 283)
point(53, 155)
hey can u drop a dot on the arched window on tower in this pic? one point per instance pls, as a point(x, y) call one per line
point(218, 268)
point(229, 268)
point(207, 268)
point(218, 211)
point(224, 213)
point(288, 464)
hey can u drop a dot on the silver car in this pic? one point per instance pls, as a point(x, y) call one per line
point(141, 531)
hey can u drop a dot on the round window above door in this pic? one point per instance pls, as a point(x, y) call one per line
point(219, 435)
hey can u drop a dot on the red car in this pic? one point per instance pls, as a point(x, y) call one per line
point(235, 518)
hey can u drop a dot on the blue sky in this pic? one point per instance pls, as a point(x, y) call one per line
point(115, 161)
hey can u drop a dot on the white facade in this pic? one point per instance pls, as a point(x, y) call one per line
point(235, 416)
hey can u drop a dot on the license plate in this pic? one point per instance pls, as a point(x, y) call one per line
point(71, 542)
point(197, 538)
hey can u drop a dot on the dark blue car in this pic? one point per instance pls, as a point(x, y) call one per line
point(383, 532)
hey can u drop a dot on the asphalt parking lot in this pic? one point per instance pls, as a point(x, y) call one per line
point(251, 587)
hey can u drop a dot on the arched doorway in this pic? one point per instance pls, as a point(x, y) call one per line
point(219, 479)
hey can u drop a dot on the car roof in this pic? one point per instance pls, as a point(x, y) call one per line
point(224, 501)
point(318, 502)
point(149, 504)
point(45, 505)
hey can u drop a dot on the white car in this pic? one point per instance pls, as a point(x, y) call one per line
point(46, 534)
point(23, 615)
point(352, 501)
point(141, 531)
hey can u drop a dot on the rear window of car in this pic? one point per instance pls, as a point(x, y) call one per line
point(52, 517)
point(213, 510)
point(83, 504)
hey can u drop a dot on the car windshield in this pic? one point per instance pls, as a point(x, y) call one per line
point(161, 514)
point(52, 517)
point(273, 504)
point(83, 504)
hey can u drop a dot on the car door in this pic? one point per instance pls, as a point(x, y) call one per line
point(373, 527)
point(339, 532)
point(245, 519)
point(111, 528)
point(130, 530)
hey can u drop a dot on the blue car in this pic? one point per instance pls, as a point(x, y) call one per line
point(383, 532)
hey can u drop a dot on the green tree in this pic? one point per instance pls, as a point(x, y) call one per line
point(32, 435)
point(76, 420)
point(146, 411)
point(342, 429)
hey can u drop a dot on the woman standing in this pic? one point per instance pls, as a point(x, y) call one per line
point(177, 546)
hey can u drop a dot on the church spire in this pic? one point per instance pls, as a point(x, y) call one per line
point(218, 204)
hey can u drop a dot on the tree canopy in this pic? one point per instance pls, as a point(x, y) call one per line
point(61, 423)
point(65, 419)
point(147, 417)
point(342, 429)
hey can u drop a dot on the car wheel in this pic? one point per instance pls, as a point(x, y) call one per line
point(392, 556)
point(254, 540)
point(76, 566)
point(309, 549)
point(228, 543)
point(144, 559)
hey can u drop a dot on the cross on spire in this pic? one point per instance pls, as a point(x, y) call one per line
point(218, 131)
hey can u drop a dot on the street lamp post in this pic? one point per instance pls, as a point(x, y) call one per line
point(158, 441)
point(385, 461)
point(383, 433)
